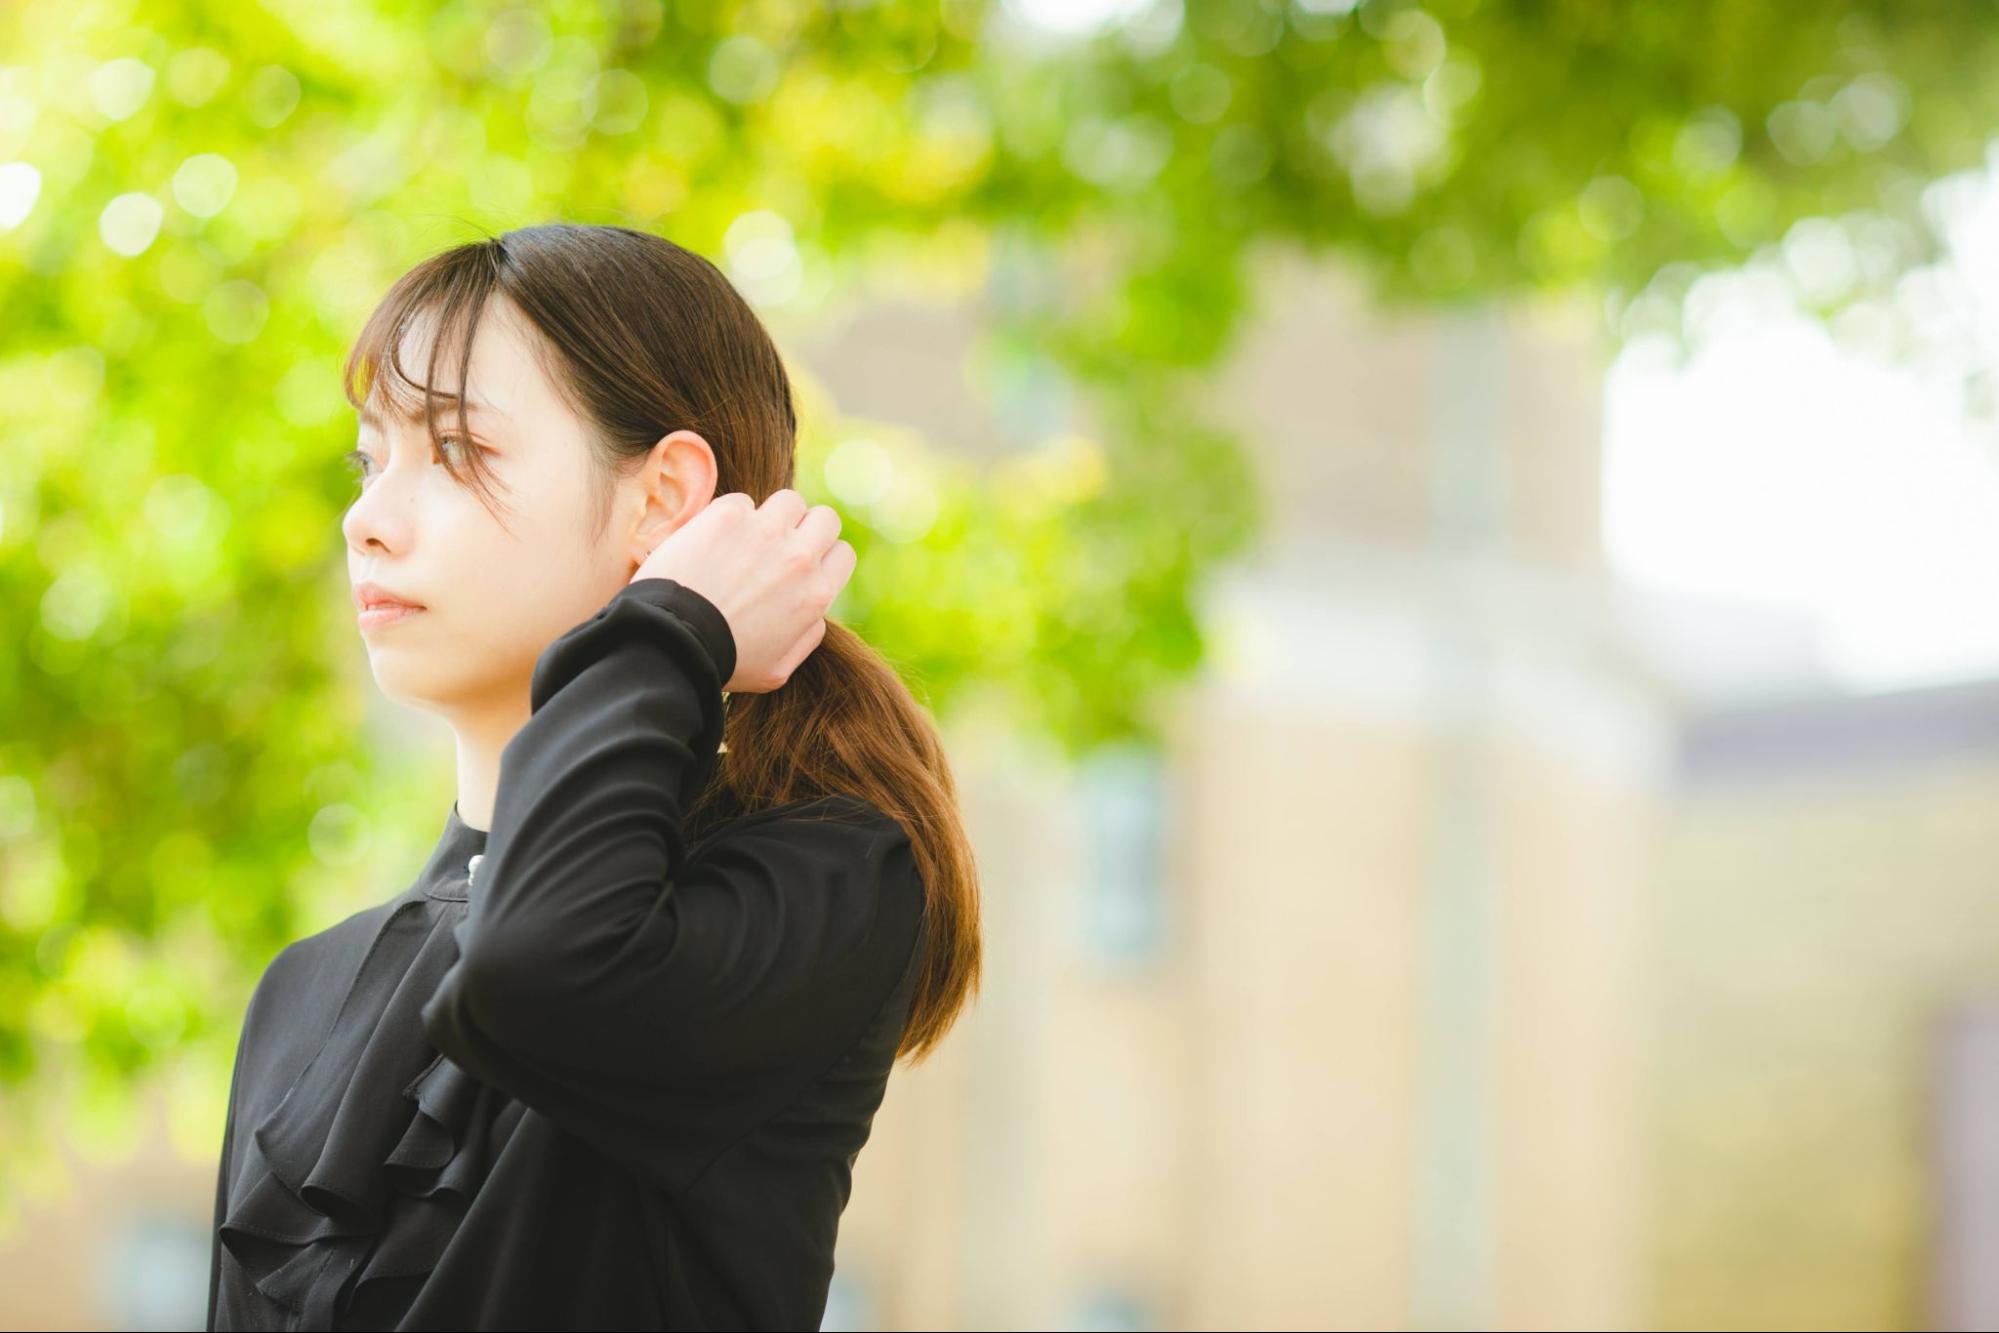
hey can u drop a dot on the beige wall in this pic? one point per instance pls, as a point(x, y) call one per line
point(1813, 930)
point(60, 1265)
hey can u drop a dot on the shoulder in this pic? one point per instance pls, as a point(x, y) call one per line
point(313, 956)
point(845, 837)
point(838, 818)
point(310, 972)
point(294, 1005)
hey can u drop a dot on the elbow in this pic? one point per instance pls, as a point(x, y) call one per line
point(496, 990)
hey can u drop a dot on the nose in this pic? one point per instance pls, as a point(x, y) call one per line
point(379, 519)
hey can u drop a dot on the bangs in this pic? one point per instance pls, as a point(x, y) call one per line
point(449, 292)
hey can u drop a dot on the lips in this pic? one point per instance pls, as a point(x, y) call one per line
point(369, 596)
point(376, 606)
point(385, 613)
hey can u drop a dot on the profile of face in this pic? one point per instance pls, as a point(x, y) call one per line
point(494, 597)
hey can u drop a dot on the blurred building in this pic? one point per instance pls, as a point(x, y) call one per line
point(1491, 945)
point(1330, 1014)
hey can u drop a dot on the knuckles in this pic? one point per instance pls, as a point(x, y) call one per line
point(809, 586)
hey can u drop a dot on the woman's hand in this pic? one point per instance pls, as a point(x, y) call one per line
point(771, 569)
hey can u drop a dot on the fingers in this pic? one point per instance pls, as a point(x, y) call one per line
point(785, 504)
point(810, 531)
point(819, 527)
point(838, 566)
point(807, 643)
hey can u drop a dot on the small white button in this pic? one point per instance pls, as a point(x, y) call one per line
point(472, 867)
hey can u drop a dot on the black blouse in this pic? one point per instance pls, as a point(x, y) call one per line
point(616, 1075)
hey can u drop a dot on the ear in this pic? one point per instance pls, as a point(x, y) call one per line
point(676, 482)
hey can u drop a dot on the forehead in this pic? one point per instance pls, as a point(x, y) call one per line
point(376, 417)
point(503, 379)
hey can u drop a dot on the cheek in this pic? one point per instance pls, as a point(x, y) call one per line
point(546, 568)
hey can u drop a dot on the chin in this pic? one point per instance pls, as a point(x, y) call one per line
point(402, 678)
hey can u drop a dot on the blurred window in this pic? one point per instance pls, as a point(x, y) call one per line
point(1122, 803)
point(1112, 1309)
point(849, 1304)
point(152, 1272)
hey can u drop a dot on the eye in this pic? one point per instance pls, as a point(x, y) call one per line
point(452, 448)
point(361, 465)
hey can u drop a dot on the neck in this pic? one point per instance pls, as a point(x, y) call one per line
point(481, 738)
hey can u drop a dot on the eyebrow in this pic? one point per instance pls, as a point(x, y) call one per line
point(473, 406)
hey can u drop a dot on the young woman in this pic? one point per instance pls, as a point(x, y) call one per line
point(609, 1060)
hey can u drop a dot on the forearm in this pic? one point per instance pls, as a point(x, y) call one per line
point(589, 819)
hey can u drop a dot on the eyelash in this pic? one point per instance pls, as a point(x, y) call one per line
point(357, 460)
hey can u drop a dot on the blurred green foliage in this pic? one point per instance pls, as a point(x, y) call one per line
point(200, 201)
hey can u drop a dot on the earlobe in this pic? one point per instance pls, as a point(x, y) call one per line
point(644, 546)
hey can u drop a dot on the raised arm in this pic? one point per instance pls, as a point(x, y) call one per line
point(644, 999)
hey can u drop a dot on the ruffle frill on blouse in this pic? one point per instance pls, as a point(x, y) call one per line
point(347, 1187)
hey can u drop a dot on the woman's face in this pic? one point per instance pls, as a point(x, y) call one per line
point(493, 597)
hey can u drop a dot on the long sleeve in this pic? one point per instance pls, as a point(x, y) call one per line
point(652, 1003)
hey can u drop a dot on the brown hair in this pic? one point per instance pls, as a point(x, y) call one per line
point(642, 337)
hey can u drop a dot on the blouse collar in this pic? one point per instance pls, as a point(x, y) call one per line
point(449, 871)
